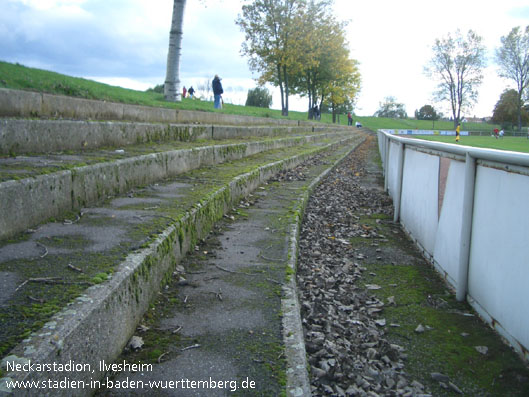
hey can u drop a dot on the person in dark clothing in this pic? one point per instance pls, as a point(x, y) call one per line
point(316, 112)
point(349, 119)
point(217, 92)
point(191, 92)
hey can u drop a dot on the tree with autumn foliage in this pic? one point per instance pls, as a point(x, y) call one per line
point(507, 110)
point(300, 47)
point(326, 73)
point(345, 87)
point(269, 26)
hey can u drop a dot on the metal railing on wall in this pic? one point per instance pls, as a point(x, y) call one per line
point(507, 161)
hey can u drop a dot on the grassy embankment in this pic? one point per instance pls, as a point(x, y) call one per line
point(19, 77)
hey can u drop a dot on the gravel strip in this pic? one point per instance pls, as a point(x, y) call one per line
point(344, 330)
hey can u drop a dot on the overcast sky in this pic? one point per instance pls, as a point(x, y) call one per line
point(124, 42)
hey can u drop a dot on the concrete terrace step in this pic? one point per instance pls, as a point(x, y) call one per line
point(127, 248)
point(21, 136)
point(27, 104)
point(75, 290)
point(30, 201)
point(235, 303)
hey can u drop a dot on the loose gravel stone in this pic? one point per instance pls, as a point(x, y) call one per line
point(343, 323)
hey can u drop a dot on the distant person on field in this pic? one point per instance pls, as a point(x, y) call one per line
point(191, 92)
point(316, 112)
point(501, 133)
point(184, 92)
point(217, 92)
point(349, 119)
point(496, 133)
point(458, 130)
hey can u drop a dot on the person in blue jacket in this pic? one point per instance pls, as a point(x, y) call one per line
point(217, 91)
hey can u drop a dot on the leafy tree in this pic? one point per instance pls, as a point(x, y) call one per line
point(344, 88)
point(159, 88)
point(427, 112)
point(342, 108)
point(323, 71)
point(313, 37)
point(508, 111)
point(457, 64)
point(513, 59)
point(259, 97)
point(269, 26)
point(391, 108)
point(172, 78)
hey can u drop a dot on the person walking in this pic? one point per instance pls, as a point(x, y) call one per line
point(349, 119)
point(458, 130)
point(217, 92)
point(191, 92)
point(184, 91)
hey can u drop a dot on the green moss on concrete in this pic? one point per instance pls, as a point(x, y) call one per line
point(453, 328)
point(24, 315)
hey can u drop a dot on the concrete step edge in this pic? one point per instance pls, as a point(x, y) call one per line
point(28, 202)
point(20, 136)
point(18, 103)
point(98, 324)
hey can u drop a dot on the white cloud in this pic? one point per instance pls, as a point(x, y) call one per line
point(127, 40)
point(392, 40)
point(50, 4)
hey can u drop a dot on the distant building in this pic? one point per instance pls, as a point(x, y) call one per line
point(475, 120)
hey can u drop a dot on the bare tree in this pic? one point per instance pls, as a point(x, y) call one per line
point(457, 64)
point(172, 79)
point(513, 59)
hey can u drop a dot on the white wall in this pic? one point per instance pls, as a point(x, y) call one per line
point(499, 255)
point(418, 209)
point(448, 236)
point(432, 209)
point(392, 172)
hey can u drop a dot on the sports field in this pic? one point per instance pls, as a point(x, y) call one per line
point(515, 144)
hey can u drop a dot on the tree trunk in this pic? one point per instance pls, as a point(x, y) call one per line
point(281, 90)
point(519, 110)
point(309, 90)
point(172, 78)
point(285, 110)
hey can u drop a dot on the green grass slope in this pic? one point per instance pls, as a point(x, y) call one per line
point(16, 76)
point(515, 144)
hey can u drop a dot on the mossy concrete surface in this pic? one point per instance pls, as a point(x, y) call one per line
point(29, 201)
point(124, 251)
point(16, 103)
point(223, 318)
point(440, 334)
point(22, 136)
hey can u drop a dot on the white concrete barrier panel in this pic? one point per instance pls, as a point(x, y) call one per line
point(467, 210)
